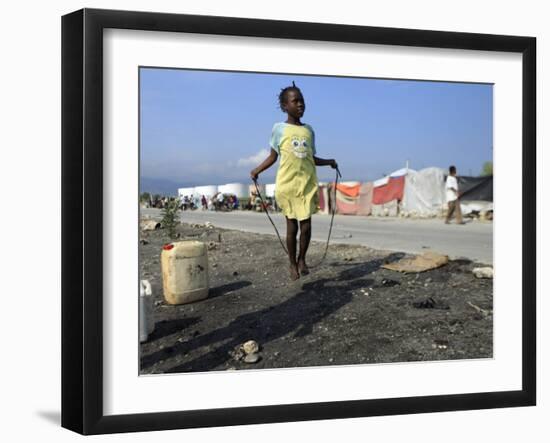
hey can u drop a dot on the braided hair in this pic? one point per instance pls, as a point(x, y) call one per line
point(284, 93)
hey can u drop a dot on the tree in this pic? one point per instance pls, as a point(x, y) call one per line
point(170, 216)
point(487, 169)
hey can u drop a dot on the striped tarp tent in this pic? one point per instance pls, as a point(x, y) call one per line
point(389, 188)
point(347, 197)
point(364, 202)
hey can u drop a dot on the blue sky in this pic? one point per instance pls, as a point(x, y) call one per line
point(201, 127)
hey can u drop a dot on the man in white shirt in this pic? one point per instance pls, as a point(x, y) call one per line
point(218, 202)
point(453, 202)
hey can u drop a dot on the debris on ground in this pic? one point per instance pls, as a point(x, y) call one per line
point(486, 272)
point(247, 352)
point(250, 347)
point(150, 225)
point(440, 344)
point(430, 303)
point(237, 353)
point(419, 263)
point(212, 235)
point(252, 358)
point(146, 317)
point(484, 312)
point(388, 283)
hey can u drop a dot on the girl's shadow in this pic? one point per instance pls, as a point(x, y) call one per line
point(317, 300)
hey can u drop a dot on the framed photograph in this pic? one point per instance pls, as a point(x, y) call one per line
point(269, 221)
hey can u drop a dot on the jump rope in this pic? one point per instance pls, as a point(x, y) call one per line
point(333, 211)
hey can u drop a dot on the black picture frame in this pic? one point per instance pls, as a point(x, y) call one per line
point(82, 218)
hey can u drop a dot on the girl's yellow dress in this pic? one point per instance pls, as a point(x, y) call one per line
point(296, 187)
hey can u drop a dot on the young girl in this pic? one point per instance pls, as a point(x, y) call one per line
point(296, 188)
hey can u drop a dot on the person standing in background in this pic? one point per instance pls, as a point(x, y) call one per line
point(453, 197)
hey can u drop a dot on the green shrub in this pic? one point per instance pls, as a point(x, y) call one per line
point(170, 216)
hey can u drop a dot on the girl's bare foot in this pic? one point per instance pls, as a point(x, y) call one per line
point(294, 274)
point(302, 267)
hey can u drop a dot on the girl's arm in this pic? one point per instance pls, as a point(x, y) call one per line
point(272, 158)
point(325, 162)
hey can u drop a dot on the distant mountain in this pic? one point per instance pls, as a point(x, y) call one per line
point(160, 186)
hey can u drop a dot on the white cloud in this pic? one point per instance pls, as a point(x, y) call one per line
point(254, 160)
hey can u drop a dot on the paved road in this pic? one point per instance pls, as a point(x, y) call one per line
point(473, 240)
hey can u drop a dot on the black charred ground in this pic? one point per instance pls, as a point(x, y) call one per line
point(347, 311)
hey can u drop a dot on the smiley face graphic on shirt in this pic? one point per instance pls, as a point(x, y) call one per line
point(299, 146)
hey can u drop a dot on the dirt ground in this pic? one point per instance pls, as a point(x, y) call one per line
point(348, 310)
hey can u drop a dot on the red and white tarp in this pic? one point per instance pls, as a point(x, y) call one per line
point(346, 198)
point(389, 188)
point(364, 202)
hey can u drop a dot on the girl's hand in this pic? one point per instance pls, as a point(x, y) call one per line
point(254, 175)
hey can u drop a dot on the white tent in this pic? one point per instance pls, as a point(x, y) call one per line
point(424, 193)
